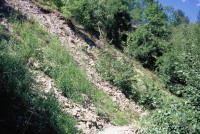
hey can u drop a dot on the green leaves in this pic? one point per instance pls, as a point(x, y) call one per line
point(108, 16)
point(118, 71)
point(178, 118)
point(180, 65)
point(145, 42)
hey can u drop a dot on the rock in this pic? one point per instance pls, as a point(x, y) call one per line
point(153, 106)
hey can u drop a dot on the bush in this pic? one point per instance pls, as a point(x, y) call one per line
point(146, 42)
point(110, 18)
point(118, 71)
point(180, 65)
point(178, 118)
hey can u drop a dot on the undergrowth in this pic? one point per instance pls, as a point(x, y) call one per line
point(55, 61)
point(23, 109)
point(168, 113)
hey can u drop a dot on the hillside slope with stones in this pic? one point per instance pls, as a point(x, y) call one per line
point(55, 24)
point(88, 121)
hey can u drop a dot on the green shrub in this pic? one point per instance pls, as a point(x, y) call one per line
point(146, 42)
point(177, 118)
point(118, 71)
point(110, 17)
point(179, 67)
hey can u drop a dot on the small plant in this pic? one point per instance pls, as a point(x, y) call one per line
point(117, 70)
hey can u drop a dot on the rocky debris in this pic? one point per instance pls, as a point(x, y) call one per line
point(54, 24)
point(59, 27)
point(87, 119)
point(4, 22)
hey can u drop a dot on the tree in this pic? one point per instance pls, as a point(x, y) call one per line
point(180, 17)
point(108, 16)
point(176, 17)
point(198, 17)
point(145, 42)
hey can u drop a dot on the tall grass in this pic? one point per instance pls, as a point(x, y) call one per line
point(56, 62)
point(168, 113)
point(23, 110)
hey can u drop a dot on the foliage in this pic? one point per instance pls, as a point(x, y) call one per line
point(180, 66)
point(174, 55)
point(55, 61)
point(120, 72)
point(176, 17)
point(110, 18)
point(168, 114)
point(177, 118)
point(23, 110)
point(116, 70)
point(145, 43)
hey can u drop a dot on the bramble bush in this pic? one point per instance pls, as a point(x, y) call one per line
point(179, 66)
point(177, 118)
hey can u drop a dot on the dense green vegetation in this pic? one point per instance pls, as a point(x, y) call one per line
point(146, 42)
point(179, 66)
point(55, 61)
point(162, 39)
point(23, 109)
point(150, 94)
point(110, 18)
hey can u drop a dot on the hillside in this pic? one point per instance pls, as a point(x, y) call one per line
point(64, 71)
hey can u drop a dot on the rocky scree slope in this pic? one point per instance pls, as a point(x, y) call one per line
point(54, 23)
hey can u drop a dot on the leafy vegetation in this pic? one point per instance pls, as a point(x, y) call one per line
point(146, 42)
point(23, 110)
point(110, 18)
point(168, 113)
point(56, 62)
point(174, 55)
point(162, 39)
point(175, 118)
point(118, 71)
point(179, 66)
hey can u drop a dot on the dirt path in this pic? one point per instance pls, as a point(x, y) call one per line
point(118, 130)
point(54, 24)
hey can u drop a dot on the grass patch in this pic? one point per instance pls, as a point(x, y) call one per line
point(23, 110)
point(168, 113)
point(56, 61)
point(123, 73)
